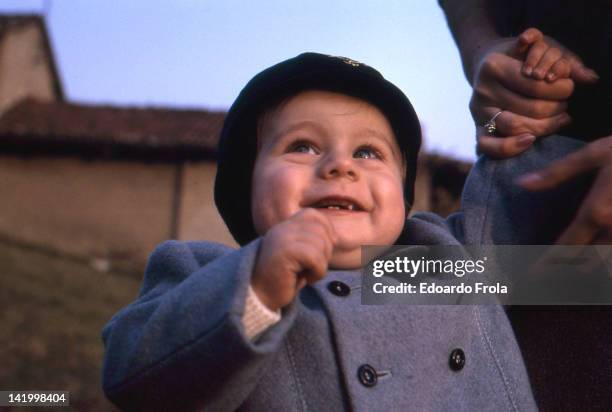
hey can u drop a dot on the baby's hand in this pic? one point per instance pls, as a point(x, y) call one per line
point(293, 253)
point(548, 60)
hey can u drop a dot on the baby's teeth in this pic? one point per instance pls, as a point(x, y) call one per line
point(350, 207)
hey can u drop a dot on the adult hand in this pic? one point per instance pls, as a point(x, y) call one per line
point(531, 107)
point(593, 222)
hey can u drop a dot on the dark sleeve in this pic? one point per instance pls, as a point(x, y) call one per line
point(181, 344)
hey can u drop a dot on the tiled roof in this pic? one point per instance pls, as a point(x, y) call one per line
point(112, 131)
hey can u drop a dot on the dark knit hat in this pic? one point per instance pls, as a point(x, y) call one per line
point(308, 71)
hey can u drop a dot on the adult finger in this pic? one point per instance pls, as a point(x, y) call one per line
point(580, 72)
point(484, 97)
point(504, 147)
point(592, 156)
point(557, 172)
point(511, 124)
point(594, 218)
point(549, 58)
point(579, 232)
point(583, 232)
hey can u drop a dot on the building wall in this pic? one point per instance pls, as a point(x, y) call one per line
point(117, 211)
point(199, 219)
point(109, 209)
point(24, 66)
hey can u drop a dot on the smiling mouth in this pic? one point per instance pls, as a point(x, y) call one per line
point(335, 203)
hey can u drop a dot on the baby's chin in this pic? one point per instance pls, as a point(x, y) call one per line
point(347, 252)
point(349, 260)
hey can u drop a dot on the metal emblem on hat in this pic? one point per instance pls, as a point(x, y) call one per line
point(348, 61)
point(352, 62)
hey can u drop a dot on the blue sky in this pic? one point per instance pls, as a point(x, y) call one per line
point(188, 53)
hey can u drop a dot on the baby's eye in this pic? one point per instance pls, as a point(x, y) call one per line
point(367, 152)
point(302, 147)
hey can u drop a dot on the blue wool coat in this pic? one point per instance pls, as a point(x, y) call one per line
point(181, 344)
point(568, 349)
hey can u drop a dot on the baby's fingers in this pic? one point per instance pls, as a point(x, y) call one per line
point(317, 221)
point(530, 36)
point(550, 57)
point(313, 261)
point(560, 70)
point(533, 57)
point(524, 42)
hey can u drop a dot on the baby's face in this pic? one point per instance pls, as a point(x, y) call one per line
point(337, 154)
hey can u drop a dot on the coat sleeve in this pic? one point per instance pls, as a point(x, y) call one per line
point(181, 344)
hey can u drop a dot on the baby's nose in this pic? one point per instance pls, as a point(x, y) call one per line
point(338, 165)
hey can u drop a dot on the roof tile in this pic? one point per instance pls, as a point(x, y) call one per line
point(145, 128)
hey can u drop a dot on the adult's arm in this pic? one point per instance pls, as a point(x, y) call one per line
point(470, 24)
point(492, 65)
point(181, 345)
point(593, 221)
point(531, 108)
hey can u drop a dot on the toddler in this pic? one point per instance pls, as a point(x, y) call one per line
point(317, 157)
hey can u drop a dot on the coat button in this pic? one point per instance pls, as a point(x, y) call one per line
point(338, 288)
point(457, 359)
point(367, 375)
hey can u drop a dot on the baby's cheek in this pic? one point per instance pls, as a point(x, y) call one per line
point(389, 193)
point(390, 199)
point(275, 197)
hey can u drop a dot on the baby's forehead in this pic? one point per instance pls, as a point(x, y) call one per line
point(327, 115)
point(323, 109)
